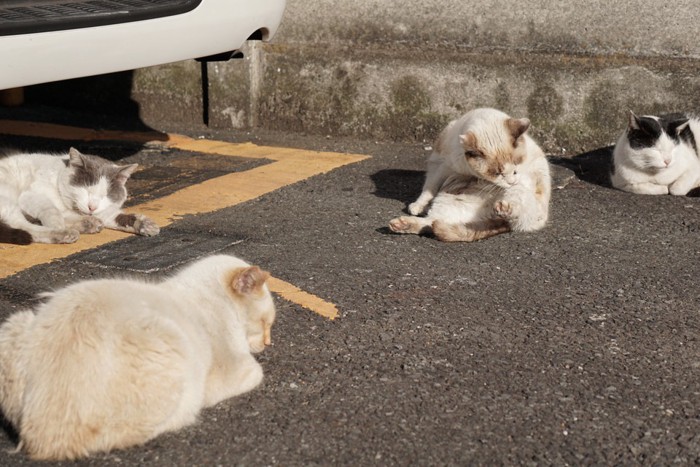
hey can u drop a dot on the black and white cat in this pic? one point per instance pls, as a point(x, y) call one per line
point(657, 155)
point(50, 198)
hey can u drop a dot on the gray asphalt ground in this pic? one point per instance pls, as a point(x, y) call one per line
point(574, 345)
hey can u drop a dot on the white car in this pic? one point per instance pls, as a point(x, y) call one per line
point(52, 40)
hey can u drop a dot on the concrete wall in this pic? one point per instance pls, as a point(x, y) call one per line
point(400, 69)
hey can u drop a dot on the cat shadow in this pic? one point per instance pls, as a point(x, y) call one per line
point(405, 185)
point(593, 166)
point(399, 184)
point(9, 430)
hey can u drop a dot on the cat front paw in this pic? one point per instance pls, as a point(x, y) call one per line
point(503, 209)
point(146, 227)
point(89, 225)
point(65, 236)
point(416, 208)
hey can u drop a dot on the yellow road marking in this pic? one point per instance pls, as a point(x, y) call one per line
point(288, 166)
point(295, 295)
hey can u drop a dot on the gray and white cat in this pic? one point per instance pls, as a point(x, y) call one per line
point(106, 364)
point(485, 176)
point(49, 198)
point(657, 155)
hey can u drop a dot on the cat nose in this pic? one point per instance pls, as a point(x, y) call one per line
point(92, 207)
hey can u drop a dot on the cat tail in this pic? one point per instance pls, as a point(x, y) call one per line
point(15, 236)
point(469, 232)
point(694, 193)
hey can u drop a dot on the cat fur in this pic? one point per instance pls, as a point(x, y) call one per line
point(50, 198)
point(486, 176)
point(107, 364)
point(657, 155)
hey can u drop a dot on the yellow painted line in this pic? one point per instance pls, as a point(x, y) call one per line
point(288, 166)
point(295, 295)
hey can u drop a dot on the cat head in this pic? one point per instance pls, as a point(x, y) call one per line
point(248, 285)
point(94, 184)
point(653, 139)
point(494, 152)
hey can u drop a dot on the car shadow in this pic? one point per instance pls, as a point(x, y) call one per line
point(101, 102)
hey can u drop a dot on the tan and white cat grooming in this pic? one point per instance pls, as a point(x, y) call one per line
point(486, 176)
point(106, 364)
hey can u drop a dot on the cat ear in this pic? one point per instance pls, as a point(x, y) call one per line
point(468, 140)
point(517, 126)
point(633, 120)
point(680, 128)
point(124, 172)
point(248, 280)
point(76, 158)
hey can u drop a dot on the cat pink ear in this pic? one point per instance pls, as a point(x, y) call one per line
point(633, 120)
point(250, 279)
point(517, 126)
point(125, 172)
point(76, 158)
point(468, 140)
point(682, 127)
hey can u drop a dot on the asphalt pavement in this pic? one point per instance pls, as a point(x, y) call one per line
point(574, 345)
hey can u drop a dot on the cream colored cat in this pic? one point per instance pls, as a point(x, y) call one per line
point(486, 176)
point(107, 364)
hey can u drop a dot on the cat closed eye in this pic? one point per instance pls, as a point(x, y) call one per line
point(472, 153)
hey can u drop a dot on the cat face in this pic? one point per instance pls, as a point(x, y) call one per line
point(495, 155)
point(654, 140)
point(260, 322)
point(95, 184)
point(248, 285)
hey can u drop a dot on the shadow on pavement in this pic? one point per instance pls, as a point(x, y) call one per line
point(592, 167)
point(9, 430)
point(402, 185)
point(96, 102)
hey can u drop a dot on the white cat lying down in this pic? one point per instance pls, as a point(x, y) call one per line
point(106, 364)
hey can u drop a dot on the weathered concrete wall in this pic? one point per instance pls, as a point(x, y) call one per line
point(401, 69)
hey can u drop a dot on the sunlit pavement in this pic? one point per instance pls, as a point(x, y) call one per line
point(576, 344)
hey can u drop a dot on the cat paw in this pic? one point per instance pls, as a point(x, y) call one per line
point(65, 236)
point(416, 208)
point(677, 189)
point(250, 376)
point(146, 227)
point(89, 225)
point(401, 225)
point(503, 209)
